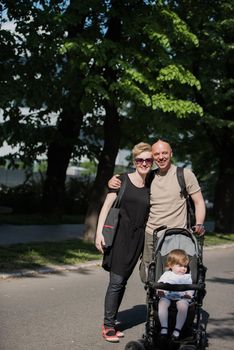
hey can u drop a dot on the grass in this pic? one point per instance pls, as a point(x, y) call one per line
point(212, 239)
point(35, 255)
point(70, 252)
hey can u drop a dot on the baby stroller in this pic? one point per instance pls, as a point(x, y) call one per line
point(193, 334)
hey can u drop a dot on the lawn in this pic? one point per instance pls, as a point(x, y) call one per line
point(70, 252)
point(35, 255)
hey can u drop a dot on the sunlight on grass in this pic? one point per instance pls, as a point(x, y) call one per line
point(49, 253)
point(218, 238)
point(70, 252)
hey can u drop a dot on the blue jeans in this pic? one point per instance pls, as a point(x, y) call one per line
point(113, 298)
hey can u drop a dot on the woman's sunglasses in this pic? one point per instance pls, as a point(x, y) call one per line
point(148, 161)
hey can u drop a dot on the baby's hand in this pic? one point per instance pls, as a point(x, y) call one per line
point(187, 296)
point(160, 293)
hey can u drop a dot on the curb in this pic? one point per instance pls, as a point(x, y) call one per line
point(79, 267)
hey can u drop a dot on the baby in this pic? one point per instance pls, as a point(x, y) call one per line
point(177, 263)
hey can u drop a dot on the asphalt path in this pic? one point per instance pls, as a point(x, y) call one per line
point(64, 311)
point(13, 234)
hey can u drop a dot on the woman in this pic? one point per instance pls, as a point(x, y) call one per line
point(129, 240)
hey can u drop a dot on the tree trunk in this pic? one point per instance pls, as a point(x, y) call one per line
point(69, 125)
point(59, 154)
point(224, 192)
point(105, 170)
point(111, 137)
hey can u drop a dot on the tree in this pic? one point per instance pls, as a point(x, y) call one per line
point(79, 58)
point(212, 63)
point(139, 78)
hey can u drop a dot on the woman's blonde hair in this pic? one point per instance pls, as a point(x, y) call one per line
point(139, 148)
point(177, 257)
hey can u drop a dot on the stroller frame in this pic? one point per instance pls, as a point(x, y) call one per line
point(193, 334)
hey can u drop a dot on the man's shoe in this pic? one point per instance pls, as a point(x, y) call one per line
point(109, 334)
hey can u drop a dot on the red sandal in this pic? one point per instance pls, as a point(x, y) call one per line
point(110, 334)
point(119, 333)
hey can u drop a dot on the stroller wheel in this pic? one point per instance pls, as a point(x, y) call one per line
point(203, 341)
point(134, 345)
point(188, 347)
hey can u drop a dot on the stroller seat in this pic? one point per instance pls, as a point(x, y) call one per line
point(193, 335)
point(176, 239)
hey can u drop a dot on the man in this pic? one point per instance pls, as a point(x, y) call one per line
point(167, 206)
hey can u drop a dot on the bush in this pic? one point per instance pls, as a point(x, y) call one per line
point(77, 195)
point(26, 198)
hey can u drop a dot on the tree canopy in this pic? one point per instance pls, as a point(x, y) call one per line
point(92, 77)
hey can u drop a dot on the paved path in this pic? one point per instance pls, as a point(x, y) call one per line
point(64, 311)
point(12, 234)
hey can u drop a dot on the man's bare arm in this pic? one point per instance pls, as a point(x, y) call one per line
point(200, 212)
point(114, 182)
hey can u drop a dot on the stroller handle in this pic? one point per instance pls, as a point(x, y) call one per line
point(160, 228)
point(177, 287)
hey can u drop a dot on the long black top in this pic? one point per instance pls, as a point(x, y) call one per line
point(129, 239)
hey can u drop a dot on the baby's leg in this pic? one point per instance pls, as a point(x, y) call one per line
point(163, 306)
point(182, 310)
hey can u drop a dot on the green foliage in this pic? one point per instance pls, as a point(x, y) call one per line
point(180, 28)
point(158, 38)
point(26, 198)
point(76, 199)
point(180, 107)
point(90, 167)
point(62, 53)
point(178, 73)
point(167, 70)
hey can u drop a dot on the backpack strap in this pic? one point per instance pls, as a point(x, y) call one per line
point(184, 193)
point(150, 176)
point(181, 180)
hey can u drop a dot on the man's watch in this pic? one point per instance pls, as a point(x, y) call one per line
point(200, 225)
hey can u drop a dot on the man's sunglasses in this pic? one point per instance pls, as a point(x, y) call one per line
point(148, 161)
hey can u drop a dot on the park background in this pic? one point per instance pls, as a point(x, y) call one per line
point(81, 81)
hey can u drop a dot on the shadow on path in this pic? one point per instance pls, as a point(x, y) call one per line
point(132, 317)
point(220, 280)
point(222, 327)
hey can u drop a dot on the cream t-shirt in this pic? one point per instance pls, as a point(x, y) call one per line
point(167, 206)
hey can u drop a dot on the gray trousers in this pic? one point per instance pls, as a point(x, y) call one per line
point(146, 257)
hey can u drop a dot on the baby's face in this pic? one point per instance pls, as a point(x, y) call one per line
point(179, 269)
